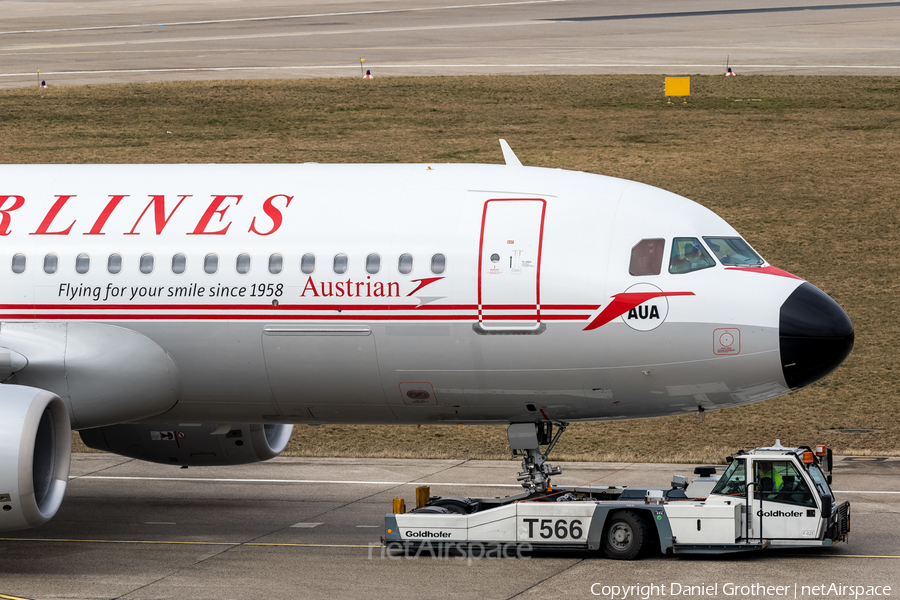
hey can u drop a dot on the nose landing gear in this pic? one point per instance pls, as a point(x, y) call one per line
point(525, 441)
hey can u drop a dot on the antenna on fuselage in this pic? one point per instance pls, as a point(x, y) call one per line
point(509, 156)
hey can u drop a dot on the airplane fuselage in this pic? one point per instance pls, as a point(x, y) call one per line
point(380, 293)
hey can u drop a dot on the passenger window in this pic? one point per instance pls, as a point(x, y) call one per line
point(308, 264)
point(114, 264)
point(18, 263)
point(146, 265)
point(405, 264)
point(646, 257)
point(779, 481)
point(51, 262)
point(340, 263)
point(688, 255)
point(242, 264)
point(373, 264)
point(733, 251)
point(82, 264)
point(276, 263)
point(179, 264)
point(210, 264)
point(438, 264)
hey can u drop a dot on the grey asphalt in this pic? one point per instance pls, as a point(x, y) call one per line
point(309, 528)
point(103, 41)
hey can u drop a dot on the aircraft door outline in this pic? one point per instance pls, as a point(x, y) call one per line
point(509, 266)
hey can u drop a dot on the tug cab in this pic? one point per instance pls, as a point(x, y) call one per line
point(787, 491)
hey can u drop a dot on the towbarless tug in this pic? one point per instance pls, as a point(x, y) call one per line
point(772, 497)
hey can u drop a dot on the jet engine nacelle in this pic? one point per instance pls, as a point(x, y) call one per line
point(197, 444)
point(105, 374)
point(35, 451)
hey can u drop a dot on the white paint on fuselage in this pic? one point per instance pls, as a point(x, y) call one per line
point(375, 337)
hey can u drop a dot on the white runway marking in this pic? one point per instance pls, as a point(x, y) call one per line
point(232, 480)
point(306, 525)
point(168, 42)
point(283, 17)
point(451, 66)
point(861, 492)
point(360, 482)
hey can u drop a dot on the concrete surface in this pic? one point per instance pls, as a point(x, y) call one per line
point(103, 41)
point(309, 528)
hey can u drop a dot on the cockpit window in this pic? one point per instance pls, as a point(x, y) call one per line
point(688, 255)
point(733, 251)
point(646, 257)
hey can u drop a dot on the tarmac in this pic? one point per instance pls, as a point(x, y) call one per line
point(68, 42)
point(311, 527)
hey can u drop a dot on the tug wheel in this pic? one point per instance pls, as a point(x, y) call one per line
point(626, 536)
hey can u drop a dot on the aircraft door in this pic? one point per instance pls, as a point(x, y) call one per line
point(783, 505)
point(509, 265)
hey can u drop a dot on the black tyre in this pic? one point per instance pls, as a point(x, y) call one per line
point(455, 504)
point(627, 536)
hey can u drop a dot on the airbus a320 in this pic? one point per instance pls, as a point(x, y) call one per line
point(191, 314)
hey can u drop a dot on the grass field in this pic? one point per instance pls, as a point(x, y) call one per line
point(805, 167)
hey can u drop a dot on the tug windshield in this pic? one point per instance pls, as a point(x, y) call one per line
point(734, 480)
point(733, 251)
point(820, 481)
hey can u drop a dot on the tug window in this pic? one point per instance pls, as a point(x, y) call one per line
point(18, 263)
point(179, 263)
point(373, 264)
point(308, 264)
point(51, 262)
point(779, 481)
point(646, 257)
point(146, 264)
point(276, 263)
point(114, 264)
point(340, 263)
point(242, 264)
point(405, 264)
point(210, 264)
point(438, 264)
point(82, 264)
point(733, 251)
point(688, 255)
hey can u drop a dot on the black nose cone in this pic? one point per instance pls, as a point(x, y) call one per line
point(816, 335)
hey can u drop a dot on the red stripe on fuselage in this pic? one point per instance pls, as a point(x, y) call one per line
point(766, 270)
point(106, 316)
point(285, 307)
point(624, 302)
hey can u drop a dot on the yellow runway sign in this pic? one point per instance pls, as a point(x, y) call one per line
point(678, 86)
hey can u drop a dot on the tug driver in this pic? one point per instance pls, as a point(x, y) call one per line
point(768, 479)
